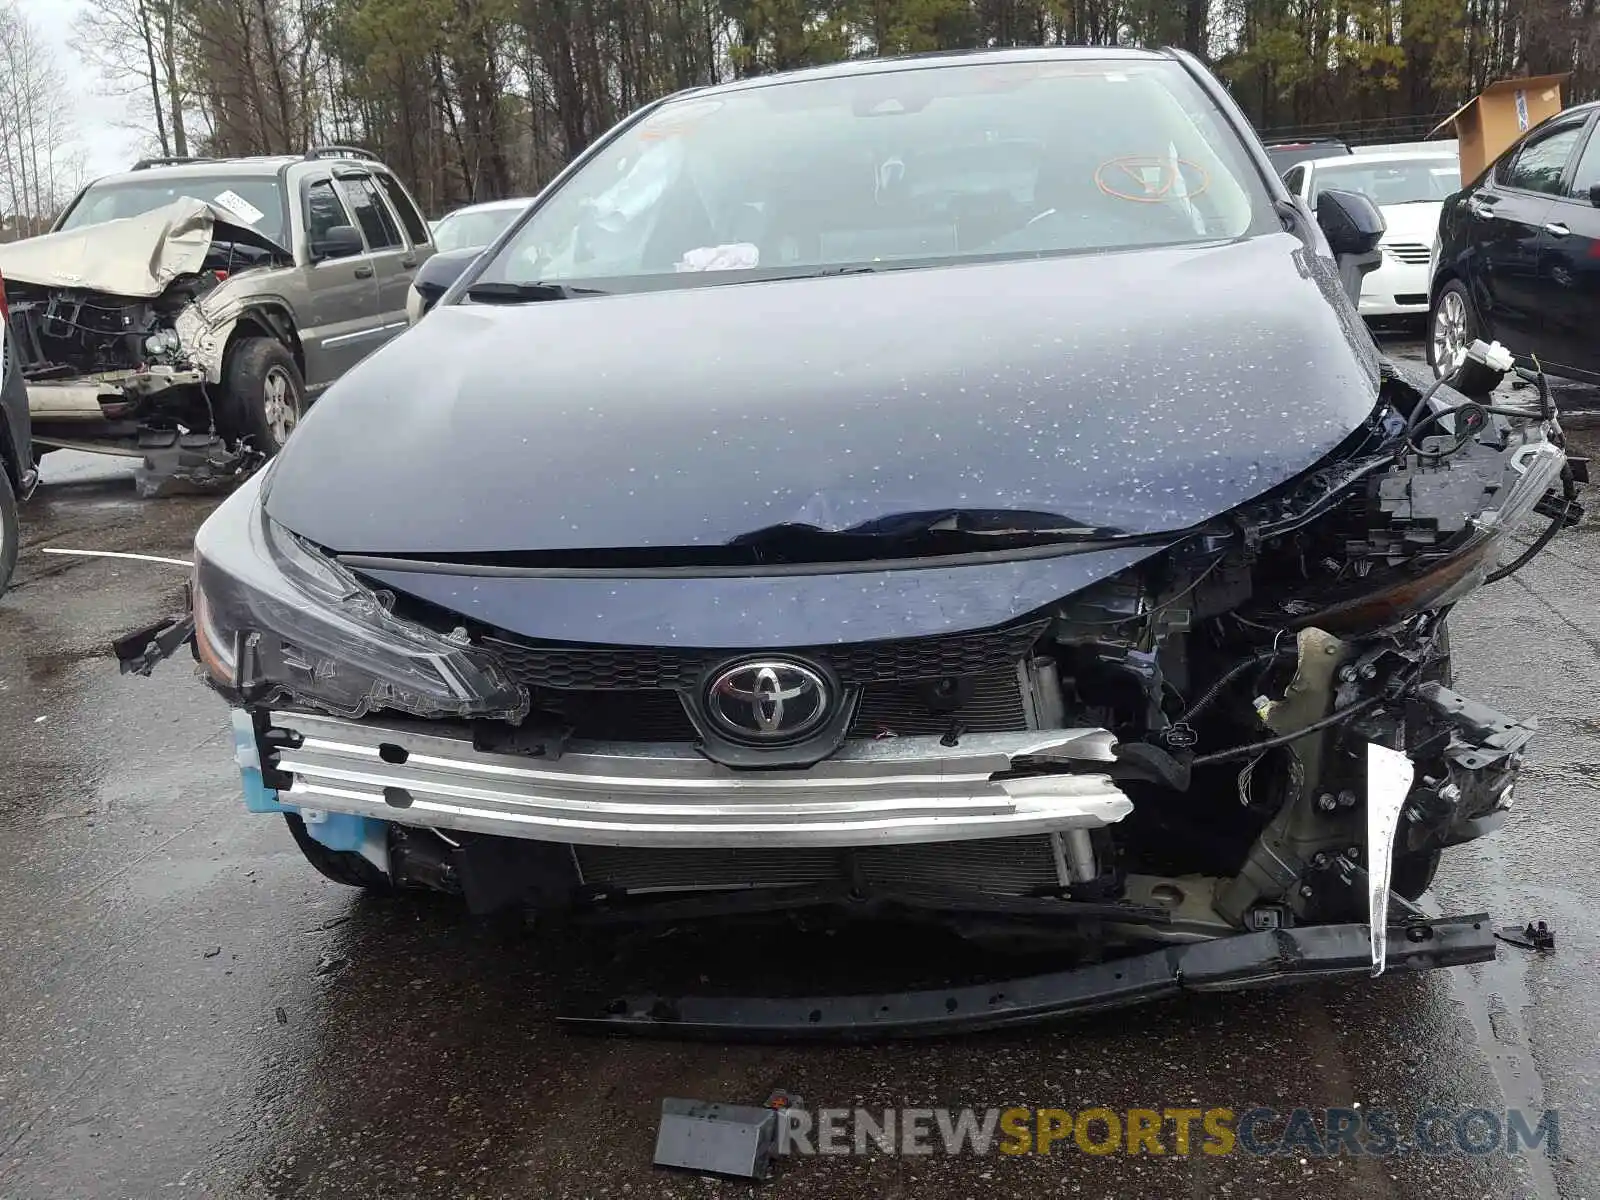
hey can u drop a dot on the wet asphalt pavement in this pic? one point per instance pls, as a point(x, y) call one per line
point(187, 1008)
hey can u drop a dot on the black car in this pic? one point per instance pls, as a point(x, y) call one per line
point(1518, 257)
point(17, 472)
point(956, 488)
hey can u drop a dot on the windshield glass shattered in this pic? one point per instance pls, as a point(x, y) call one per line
point(897, 168)
point(1394, 181)
point(256, 201)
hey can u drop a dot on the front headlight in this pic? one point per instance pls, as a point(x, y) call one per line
point(277, 620)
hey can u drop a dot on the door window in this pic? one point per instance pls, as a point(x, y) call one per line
point(1588, 172)
point(409, 216)
point(1294, 179)
point(324, 211)
point(1539, 165)
point(382, 233)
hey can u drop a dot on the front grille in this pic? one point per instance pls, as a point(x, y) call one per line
point(1414, 253)
point(998, 866)
point(565, 666)
point(633, 716)
point(992, 705)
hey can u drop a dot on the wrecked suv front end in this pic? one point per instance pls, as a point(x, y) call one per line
point(121, 330)
point(1116, 612)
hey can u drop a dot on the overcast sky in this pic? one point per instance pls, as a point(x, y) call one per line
point(109, 148)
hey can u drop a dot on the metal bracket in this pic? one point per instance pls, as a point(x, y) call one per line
point(1389, 775)
point(139, 652)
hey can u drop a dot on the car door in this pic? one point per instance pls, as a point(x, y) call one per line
point(341, 320)
point(1506, 218)
point(1569, 267)
point(393, 258)
point(401, 204)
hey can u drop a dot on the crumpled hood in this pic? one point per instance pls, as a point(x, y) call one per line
point(135, 256)
point(1144, 391)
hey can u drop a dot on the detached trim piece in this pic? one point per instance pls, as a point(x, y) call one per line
point(909, 789)
point(1245, 960)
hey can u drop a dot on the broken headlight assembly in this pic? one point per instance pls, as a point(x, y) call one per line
point(276, 619)
point(1413, 528)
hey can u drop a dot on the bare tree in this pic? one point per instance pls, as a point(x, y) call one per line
point(40, 167)
point(133, 45)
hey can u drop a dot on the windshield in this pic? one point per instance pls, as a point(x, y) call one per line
point(1394, 181)
point(461, 230)
point(256, 200)
point(904, 167)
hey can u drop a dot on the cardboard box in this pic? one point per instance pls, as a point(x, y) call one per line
point(1497, 116)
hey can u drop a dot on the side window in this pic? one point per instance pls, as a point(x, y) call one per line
point(409, 216)
point(324, 211)
point(1538, 166)
point(1294, 179)
point(1588, 172)
point(382, 233)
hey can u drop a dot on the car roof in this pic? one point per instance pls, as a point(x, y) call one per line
point(255, 166)
point(1436, 148)
point(490, 205)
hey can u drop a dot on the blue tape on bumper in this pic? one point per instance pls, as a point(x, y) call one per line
point(258, 797)
point(336, 831)
point(341, 831)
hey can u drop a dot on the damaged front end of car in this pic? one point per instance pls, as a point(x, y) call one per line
point(1221, 756)
point(121, 330)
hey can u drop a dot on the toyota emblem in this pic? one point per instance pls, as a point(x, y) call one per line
point(767, 700)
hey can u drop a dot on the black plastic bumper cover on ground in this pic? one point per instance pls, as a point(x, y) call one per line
point(1227, 964)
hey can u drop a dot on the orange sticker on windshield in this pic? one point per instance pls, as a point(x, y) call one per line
point(1151, 178)
point(675, 120)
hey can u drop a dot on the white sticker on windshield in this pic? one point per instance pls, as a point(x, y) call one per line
point(734, 256)
point(236, 204)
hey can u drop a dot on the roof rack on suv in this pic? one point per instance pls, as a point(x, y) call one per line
point(340, 152)
point(144, 164)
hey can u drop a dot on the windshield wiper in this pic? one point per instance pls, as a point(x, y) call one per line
point(526, 293)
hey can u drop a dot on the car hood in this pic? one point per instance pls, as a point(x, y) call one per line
point(1411, 222)
point(134, 256)
point(1141, 391)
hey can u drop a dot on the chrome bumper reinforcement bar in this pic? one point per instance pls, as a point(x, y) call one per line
point(908, 789)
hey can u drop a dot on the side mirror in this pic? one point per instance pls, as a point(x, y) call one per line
point(1594, 194)
point(340, 241)
point(434, 277)
point(1350, 221)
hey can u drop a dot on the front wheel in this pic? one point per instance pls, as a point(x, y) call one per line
point(263, 393)
point(1452, 328)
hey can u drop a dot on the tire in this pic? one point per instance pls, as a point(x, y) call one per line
point(341, 866)
point(1452, 327)
point(10, 531)
point(263, 394)
point(1412, 874)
